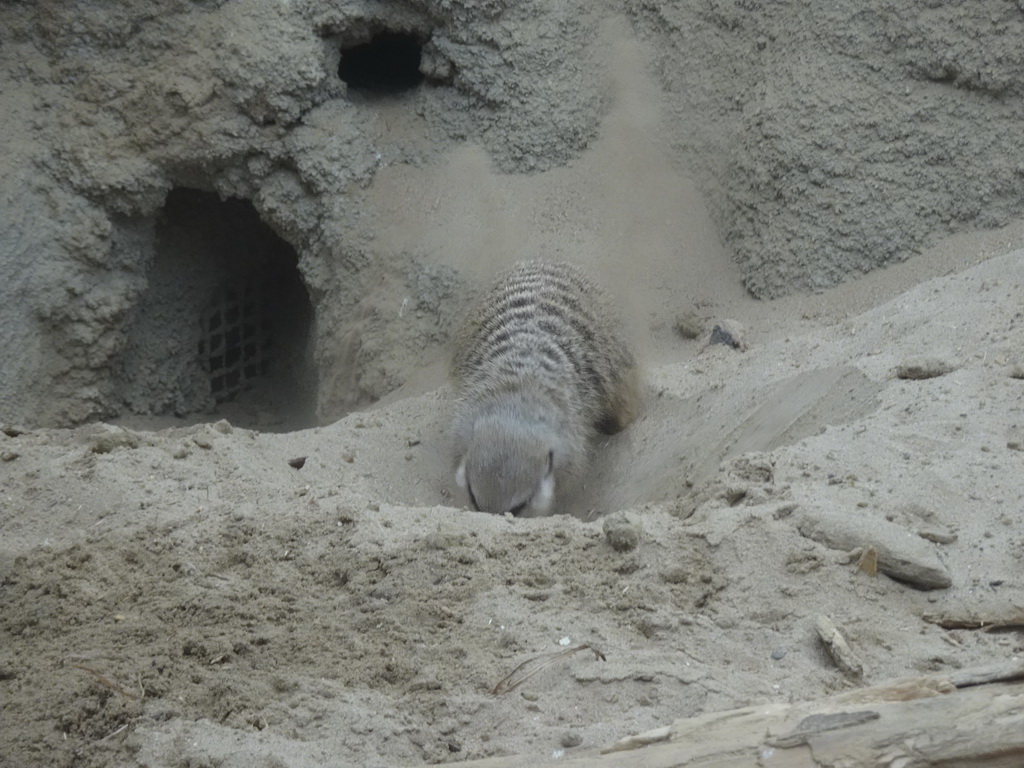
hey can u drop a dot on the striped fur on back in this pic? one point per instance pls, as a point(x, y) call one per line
point(540, 367)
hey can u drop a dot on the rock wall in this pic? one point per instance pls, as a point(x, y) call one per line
point(836, 138)
point(109, 109)
point(829, 141)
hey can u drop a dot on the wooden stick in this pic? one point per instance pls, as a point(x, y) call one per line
point(968, 719)
point(531, 667)
point(950, 621)
point(838, 648)
point(105, 682)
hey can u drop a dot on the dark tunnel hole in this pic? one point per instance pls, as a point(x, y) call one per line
point(234, 286)
point(389, 64)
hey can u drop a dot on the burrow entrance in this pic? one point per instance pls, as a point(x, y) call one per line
point(386, 65)
point(224, 327)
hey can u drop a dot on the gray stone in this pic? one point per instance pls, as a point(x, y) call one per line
point(901, 554)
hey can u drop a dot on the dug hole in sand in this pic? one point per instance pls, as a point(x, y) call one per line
point(211, 595)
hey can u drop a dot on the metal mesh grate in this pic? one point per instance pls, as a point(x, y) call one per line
point(235, 346)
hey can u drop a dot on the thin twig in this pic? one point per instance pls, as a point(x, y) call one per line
point(114, 733)
point(106, 682)
point(531, 667)
point(949, 621)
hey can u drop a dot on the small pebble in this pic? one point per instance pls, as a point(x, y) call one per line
point(675, 574)
point(108, 438)
point(688, 324)
point(938, 535)
point(779, 654)
point(730, 333)
point(622, 533)
point(571, 739)
point(8, 456)
point(243, 510)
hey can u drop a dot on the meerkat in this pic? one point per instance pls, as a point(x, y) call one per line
point(540, 368)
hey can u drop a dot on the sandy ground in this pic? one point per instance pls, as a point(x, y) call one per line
point(188, 597)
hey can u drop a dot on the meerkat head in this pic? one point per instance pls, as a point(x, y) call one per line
point(510, 468)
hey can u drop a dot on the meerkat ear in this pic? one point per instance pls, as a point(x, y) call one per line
point(460, 474)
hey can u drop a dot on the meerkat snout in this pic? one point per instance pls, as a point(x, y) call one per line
point(509, 468)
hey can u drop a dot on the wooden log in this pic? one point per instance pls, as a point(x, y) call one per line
point(840, 651)
point(972, 621)
point(969, 718)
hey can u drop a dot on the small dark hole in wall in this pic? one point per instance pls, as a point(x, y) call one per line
point(388, 64)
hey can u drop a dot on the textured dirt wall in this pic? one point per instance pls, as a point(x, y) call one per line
point(108, 109)
point(834, 139)
point(828, 141)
